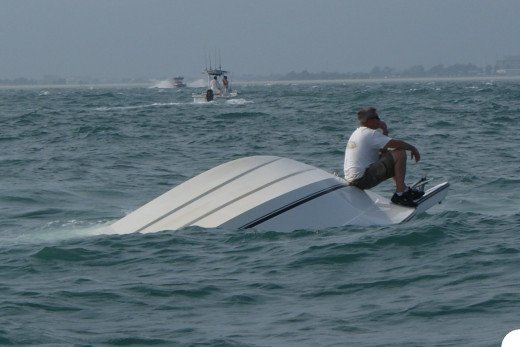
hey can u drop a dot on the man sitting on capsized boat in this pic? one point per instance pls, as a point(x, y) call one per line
point(372, 157)
point(215, 86)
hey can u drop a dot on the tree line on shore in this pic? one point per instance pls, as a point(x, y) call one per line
point(456, 70)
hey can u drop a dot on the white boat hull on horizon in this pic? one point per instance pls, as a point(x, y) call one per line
point(268, 193)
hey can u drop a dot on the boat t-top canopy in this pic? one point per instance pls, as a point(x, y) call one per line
point(216, 72)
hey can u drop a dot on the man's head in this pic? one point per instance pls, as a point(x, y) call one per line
point(366, 114)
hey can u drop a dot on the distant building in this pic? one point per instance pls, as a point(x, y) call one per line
point(509, 66)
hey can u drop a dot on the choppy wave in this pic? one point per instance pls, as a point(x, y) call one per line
point(239, 101)
point(165, 84)
point(136, 107)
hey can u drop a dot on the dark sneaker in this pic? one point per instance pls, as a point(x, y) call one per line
point(404, 200)
point(415, 193)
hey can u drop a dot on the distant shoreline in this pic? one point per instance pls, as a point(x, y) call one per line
point(379, 80)
point(270, 82)
point(89, 85)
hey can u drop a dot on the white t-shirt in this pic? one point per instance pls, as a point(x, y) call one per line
point(362, 150)
point(214, 85)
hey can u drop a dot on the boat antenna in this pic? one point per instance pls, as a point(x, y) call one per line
point(219, 61)
point(215, 55)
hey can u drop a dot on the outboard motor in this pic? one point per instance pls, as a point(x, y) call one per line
point(209, 95)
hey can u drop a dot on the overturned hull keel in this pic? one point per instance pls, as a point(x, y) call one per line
point(269, 193)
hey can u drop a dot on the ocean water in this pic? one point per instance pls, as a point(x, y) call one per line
point(76, 159)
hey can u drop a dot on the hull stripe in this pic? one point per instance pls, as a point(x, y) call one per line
point(292, 205)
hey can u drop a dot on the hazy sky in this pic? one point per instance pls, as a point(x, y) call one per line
point(155, 38)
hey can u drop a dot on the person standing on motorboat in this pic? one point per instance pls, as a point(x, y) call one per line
point(372, 157)
point(215, 86)
point(225, 85)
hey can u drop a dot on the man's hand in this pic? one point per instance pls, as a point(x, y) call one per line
point(383, 127)
point(399, 144)
point(415, 153)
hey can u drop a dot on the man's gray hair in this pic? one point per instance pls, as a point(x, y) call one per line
point(367, 113)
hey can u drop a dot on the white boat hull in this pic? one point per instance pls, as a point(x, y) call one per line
point(268, 193)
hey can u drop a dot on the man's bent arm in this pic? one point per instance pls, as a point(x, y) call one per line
point(399, 144)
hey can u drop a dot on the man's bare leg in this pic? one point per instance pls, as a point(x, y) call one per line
point(399, 169)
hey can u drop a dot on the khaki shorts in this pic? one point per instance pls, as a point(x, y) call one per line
point(376, 173)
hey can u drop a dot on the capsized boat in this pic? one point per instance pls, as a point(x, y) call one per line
point(211, 94)
point(269, 193)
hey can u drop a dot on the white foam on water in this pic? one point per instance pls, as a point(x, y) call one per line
point(165, 84)
point(122, 108)
point(56, 231)
point(238, 101)
point(200, 83)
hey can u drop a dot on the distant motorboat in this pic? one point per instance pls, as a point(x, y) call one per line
point(178, 82)
point(270, 193)
point(213, 93)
